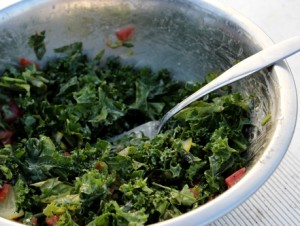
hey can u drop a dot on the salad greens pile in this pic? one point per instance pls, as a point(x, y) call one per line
point(55, 127)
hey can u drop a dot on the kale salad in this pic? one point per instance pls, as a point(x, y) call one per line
point(58, 166)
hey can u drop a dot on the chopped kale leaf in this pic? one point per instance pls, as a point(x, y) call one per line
point(62, 166)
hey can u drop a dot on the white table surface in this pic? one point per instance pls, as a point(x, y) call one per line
point(277, 202)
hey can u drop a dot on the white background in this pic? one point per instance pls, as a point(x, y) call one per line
point(278, 201)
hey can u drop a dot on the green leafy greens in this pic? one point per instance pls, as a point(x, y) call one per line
point(37, 42)
point(61, 164)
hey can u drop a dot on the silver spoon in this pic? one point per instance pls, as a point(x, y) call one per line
point(248, 66)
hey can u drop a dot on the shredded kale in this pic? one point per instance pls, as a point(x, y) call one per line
point(37, 42)
point(61, 163)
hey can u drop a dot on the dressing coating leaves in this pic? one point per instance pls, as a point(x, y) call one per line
point(62, 165)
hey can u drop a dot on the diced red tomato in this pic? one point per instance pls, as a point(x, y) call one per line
point(51, 221)
point(34, 221)
point(196, 191)
point(4, 191)
point(6, 136)
point(99, 166)
point(16, 113)
point(125, 33)
point(235, 177)
point(24, 62)
point(67, 154)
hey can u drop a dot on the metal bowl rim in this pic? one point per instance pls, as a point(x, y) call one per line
point(274, 152)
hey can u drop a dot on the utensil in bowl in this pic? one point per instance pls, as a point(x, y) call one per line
point(189, 37)
point(248, 66)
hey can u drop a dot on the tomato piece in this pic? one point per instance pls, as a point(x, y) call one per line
point(5, 136)
point(8, 206)
point(34, 221)
point(4, 191)
point(235, 177)
point(101, 166)
point(14, 113)
point(196, 191)
point(67, 154)
point(24, 62)
point(125, 33)
point(51, 221)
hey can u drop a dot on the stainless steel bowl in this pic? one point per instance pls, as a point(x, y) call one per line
point(189, 37)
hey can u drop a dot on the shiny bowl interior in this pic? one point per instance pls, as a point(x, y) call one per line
point(188, 37)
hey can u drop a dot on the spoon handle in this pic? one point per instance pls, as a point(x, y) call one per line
point(254, 63)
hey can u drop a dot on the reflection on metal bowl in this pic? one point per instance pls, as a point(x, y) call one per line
point(189, 37)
